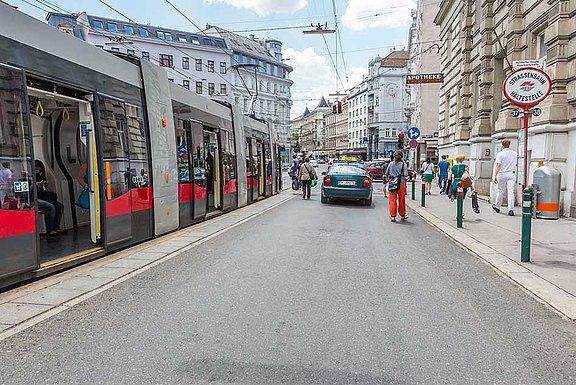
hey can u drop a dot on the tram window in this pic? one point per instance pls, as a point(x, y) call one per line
point(112, 27)
point(137, 147)
point(15, 156)
point(115, 150)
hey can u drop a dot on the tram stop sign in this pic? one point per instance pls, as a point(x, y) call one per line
point(527, 87)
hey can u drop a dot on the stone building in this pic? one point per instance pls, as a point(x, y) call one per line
point(386, 102)
point(424, 59)
point(480, 42)
point(309, 129)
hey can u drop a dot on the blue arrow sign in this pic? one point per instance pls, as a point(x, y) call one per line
point(413, 133)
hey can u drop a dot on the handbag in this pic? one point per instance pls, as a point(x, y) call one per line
point(83, 200)
point(394, 183)
point(466, 180)
point(314, 182)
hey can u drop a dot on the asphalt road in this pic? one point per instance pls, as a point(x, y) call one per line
point(305, 294)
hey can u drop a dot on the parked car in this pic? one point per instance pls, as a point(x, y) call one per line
point(345, 181)
point(321, 161)
point(314, 163)
point(376, 168)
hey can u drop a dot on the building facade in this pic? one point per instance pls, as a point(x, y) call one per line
point(358, 121)
point(386, 103)
point(261, 80)
point(480, 42)
point(309, 130)
point(194, 61)
point(424, 59)
point(216, 63)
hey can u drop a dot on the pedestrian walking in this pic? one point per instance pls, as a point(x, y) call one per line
point(397, 174)
point(443, 167)
point(456, 175)
point(306, 174)
point(427, 174)
point(504, 175)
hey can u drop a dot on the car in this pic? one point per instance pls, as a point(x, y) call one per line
point(321, 161)
point(314, 163)
point(376, 168)
point(345, 181)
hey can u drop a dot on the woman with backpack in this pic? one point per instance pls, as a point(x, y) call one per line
point(397, 174)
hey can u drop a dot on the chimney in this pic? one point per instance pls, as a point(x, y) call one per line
point(251, 37)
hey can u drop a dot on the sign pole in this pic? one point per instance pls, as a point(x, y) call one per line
point(525, 182)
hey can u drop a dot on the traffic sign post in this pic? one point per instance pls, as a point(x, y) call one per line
point(526, 88)
point(413, 133)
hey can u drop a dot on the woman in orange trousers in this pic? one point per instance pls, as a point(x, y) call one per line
point(397, 174)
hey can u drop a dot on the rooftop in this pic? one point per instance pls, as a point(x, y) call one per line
point(396, 59)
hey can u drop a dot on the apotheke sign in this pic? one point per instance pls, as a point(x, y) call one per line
point(527, 87)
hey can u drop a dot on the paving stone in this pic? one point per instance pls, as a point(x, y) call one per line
point(82, 283)
point(49, 296)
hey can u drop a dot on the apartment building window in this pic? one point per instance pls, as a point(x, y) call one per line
point(210, 88)
point(143, 32)
point(198, 64)
point(387, 132)
point(182, 39)
point(198, 87)
point(210, 65)
point(222, 67)
point(195, 41)
point(112, 27)
point(166, 60)
point(130, 52)
point(99, 46)
point(237, 100)
point(98, 24)
point(223, 89)
point(128, 30)
point(393, 132)
point(541, 48)
point(115, 49)
point(186, 84)
point(171, 80)
point(186, 63)
point(145, 55)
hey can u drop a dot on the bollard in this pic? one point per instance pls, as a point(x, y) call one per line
point(527, 211)
point(413, 189)
point(423, 199)
point(459, 204)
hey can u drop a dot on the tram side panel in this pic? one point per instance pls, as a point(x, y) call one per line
point(18, 247)
point(241, 156)
point(163, 148)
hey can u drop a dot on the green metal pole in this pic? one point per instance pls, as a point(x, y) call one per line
point(459, 205)
point(527, 210)
point(423, 198)
point(413, 189)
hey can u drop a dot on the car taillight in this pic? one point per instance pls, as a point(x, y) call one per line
point(327, 180)
point(366, 182)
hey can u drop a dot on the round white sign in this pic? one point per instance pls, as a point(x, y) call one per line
point(527, 87)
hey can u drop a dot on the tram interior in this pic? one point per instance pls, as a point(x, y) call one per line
point(212, 172)
point(56, 140)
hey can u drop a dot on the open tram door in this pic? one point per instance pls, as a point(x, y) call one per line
point(213, 171)
point(66, 175)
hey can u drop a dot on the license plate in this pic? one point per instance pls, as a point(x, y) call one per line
point(347, 183)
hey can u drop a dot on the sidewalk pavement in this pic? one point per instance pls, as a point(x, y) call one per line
point(496, 238)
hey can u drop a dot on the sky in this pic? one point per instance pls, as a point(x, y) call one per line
point(368, 28)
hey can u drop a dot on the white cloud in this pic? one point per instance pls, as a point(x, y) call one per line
point(314, 77)
point(364, 14)
point(265, 7)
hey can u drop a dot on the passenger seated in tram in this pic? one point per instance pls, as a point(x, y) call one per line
point(48, 201)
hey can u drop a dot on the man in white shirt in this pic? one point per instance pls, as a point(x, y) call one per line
point(504, 175)
point(6, 179)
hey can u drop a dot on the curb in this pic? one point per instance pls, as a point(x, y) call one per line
point(545, 291)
